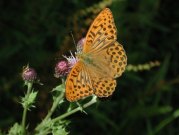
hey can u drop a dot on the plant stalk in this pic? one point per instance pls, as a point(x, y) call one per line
point(54, 106)
point(29, 88)
point(92, 101)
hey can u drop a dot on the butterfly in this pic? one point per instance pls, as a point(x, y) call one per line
point(101, 60)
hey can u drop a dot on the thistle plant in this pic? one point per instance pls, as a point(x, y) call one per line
point(29, 76)
point(54, 125)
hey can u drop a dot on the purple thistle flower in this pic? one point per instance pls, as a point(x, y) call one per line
point(72, 60)
point(61, 69)
point(29, 74)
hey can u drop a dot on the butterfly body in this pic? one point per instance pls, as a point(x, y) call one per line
point(86, 58)
point(100, 61)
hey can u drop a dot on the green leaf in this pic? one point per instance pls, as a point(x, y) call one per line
point(59, 88)
point(58, 128)
point(28, 102)
point(16, 130)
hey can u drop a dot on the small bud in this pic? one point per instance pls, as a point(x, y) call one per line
point(61, 69)
point(80, 45)
point(29, 74)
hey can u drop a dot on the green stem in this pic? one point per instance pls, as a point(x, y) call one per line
point(29, 88)
point(92, 101)
point(54, 106)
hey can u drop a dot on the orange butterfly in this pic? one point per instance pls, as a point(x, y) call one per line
point(100, 62)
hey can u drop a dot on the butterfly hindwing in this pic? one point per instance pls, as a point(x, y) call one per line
point(117, 58)
point(103, 87)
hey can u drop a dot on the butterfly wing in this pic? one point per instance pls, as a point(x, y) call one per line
point(101, 32)
point(113, 60)
point(101, 46)
point(103, 87)
point(112, 65)
point(108, 56)
point(78, 83)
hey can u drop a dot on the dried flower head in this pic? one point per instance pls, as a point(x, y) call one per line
point(29, 74)
point(61, 69)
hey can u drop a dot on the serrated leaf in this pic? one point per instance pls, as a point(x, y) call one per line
point(16, 129)
point(28, 102)
point(59, 131)
point(58, 128)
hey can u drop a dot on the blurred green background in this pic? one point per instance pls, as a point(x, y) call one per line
point(37, 32)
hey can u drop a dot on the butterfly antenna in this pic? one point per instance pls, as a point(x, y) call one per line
point(73, 39)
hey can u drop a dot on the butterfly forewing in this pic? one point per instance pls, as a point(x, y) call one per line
point(101, 33)
point(78, 84)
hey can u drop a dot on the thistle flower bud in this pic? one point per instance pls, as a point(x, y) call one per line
point(61, 69)
point(80, 45)
point(29, 74)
